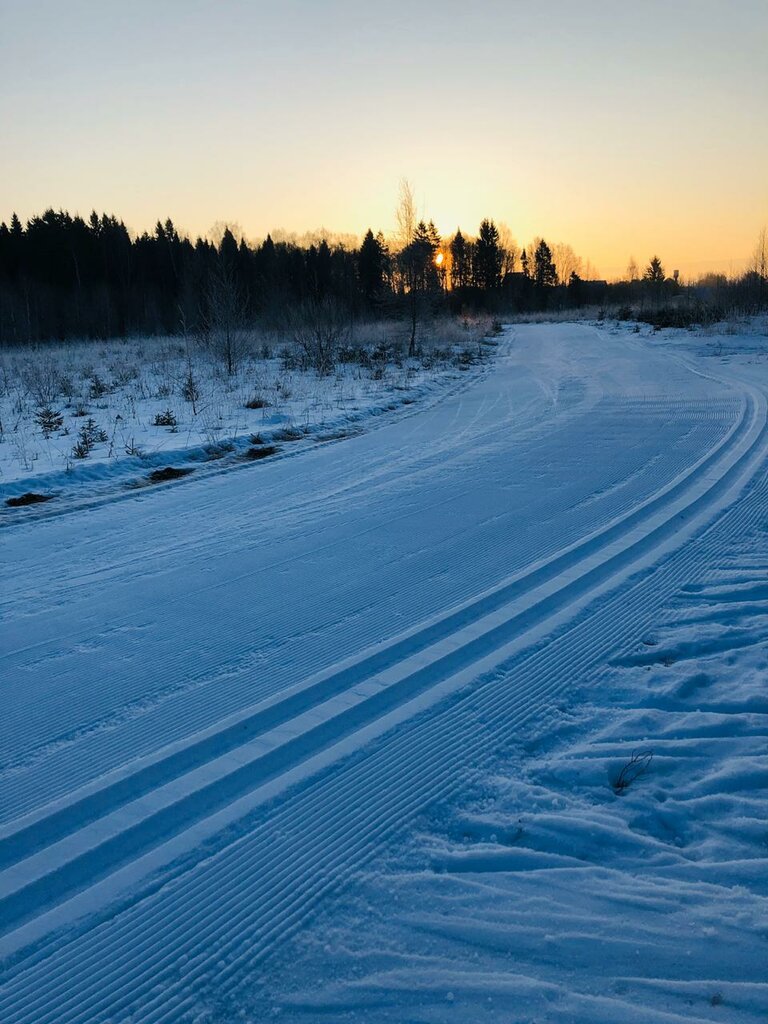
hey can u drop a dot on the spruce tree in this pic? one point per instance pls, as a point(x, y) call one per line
point(544, 272)
point(461, 262)
point(488, 257)
point(371, 268)
point(654, 272)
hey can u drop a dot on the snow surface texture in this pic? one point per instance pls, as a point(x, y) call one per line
point(246, 691)
point(133, 399)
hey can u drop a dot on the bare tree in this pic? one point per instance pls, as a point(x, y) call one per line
point(633, 271)
point(405, 214)
point(410, 258)
point(224, 320)
point(759, 263)
point(566, 261)
point(590, 271)
point(319, 327)
point(220, 227)
point(509, 248)
point(758, 267)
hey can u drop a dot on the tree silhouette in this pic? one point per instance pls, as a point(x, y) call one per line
point(544, 273)
point(461, 262)
point(372, 261)
point(488, 257)
point(654, 272)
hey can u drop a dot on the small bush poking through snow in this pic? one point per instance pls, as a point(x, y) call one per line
point(289, 434)
point(257, 402)
point(190, 390)
point(635, 767)
point(90, 435)
point(46, 394)
point(49, 421)
point(166, 418)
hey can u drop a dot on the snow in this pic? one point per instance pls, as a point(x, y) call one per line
point(549, 896)
point(123, 387)
point(341, 738)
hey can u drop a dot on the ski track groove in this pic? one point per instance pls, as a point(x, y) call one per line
point(365, 798)
point(154, 825)
point(483, 603)
point(192, 681)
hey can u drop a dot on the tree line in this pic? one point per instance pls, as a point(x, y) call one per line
point(62, 276)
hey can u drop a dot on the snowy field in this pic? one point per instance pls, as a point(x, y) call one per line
point(460, 719)
point(80, 420)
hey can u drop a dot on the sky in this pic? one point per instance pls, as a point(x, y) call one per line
point(622, 128)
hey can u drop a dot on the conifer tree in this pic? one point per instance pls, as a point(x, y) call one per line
point(654, 272)
point(461, 262)
point(488, 257)
point(371, 267)
point(544, 273)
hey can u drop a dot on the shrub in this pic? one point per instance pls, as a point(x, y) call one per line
point(166, 418)
point(49, 420)
point(679, 316)
point(257, 402)
point(90, 435)
point(190, 392)
point(131, 448)
point(98, 387)
point(320, 328)
point(289, 434)
point(81, 448)
point(43, 381)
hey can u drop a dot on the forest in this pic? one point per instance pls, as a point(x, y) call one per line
point(62, 276)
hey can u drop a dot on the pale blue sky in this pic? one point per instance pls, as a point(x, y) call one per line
point(622, 128)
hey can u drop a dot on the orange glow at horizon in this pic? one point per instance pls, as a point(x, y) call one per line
point(623, 136)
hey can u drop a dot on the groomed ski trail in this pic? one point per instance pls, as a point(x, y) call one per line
point(137, 847)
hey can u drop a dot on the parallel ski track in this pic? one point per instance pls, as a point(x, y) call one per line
point(236, 907)
point(226, 737)
point(310, 848)
point(323, 502)
point(175, 684)
point(569, 577)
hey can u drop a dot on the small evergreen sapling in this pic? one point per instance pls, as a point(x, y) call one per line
point(49, 421)
point(89, 436)
point(166, 418)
